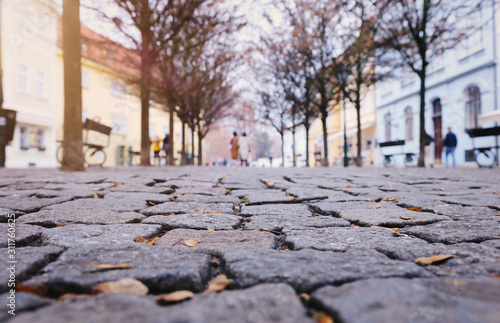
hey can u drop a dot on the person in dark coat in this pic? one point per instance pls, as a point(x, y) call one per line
point(450, 142)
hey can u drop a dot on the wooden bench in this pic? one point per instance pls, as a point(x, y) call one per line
point(96, 138)
point(410, 159)
point(485, 156)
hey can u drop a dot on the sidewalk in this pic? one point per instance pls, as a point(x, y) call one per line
point(295, 245)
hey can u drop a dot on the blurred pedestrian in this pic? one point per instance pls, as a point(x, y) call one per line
point(156, 149)
point(450, 142)
point(234, 147)
point(244, 149)
point(166, 146)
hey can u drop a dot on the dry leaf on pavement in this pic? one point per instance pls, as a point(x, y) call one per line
point(71, 295)
point(324, 318)
point(415, 209)
point(218, 284)
point(397, 234)
point(191, 242)
point(376, 206)
point(441, 189)
point(496, 193)
point(60, 225)
point(174, 297)
point(96, 196)
point(213, 212)
point(117, 184)
point(406, 218)
point(350, 186)
point(424, 261)
point(109, 267)
point(199, 212)
point(146, 240)
point(210, 229)
point(270, 184)
point(125, 285)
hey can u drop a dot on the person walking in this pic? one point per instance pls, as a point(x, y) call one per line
point(244, 149)
point(450, 142)
point(156, 149)
point(166, 146)
point(233, 147)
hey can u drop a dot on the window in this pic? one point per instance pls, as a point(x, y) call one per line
point(24, 138)
point(41, 84)
point(387, 123)
point(118, 89)
point(22, 78)
point(472, 107)
point(119, 125)
point(40, 140)
point(409, 123)
point(85, 79)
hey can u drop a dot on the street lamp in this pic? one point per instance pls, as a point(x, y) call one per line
point(342, 77)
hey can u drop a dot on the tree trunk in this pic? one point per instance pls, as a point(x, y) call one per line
point(325, 140)
point(192, 146)
point(421, 158)
point(200, 152)
point(359, 159)
point(293, 147)
point(282, 134)
point(73, 157)
point(171, 111)
point(183, 150)
point(307, 146)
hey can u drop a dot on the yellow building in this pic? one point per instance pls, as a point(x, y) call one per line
point(28, 36)
point(110, 97)
point(335, 128)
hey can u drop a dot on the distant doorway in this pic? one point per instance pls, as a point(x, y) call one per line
point(438, 130)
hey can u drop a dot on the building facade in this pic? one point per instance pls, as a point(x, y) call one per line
point(462, 93)
point(28, 36)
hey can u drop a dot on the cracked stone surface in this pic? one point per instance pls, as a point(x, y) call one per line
point(73, 235)
point(162, 269)
point(216, 221)
point(53, 218)
point(419, 300)
point(215, 242)
point(357, 261)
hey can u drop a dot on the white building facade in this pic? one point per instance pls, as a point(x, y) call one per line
point(28, 36)
point(462, 93)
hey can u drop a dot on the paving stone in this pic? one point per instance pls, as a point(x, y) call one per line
point(459, 212)
point(215, 242)
point(412, 300)
point(5, 214)
point(74, 194)
point(77, 187)
point(306, 270)
point(185, 183)
point(18, 193)
point(162, 269)
point(149, 197)
point(492, 243)
point(425, 202)
point(216, 221)
point(333, 196)
point(29, 261)
point(53, 218)
point(30, 204)
point(492, 201)
point(73, 235)
point(267, 303)
point(211, 191)
point(261, 195)
point(275, 209)
point(130, 188)
point(187, 208)
point(208, 199)
point(390, 217)
point(456, 231)
point(340, 239)
point(101, 204)
point(25, 302)
point(25, 234)
point(293, 221)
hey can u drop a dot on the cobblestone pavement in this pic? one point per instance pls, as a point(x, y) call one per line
point(317, 243)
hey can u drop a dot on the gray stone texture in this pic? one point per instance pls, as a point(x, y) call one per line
point(216, 221)
point(390, 217)
point(53, 218)
point(25, 234)
point(101, 204)
point(30, 204)
point(456, 231)
point(188, 208)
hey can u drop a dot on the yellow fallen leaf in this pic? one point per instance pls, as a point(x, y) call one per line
point(228, 190)
point(434, 182)
point(174, 297)
point(498, 214)
point(350, 186)
point(191, 242)
point(285, 250)
point(456, 282)
point(218, 284)
point(151, 203)
point(270, 184)
point(441, 189)
point(237, 208)
point(117, 184)
point(481, 192)
point(304, 297)
point(406, 218)
point(354, 226)
point(324, 318)
point(496, 193)
point(60, 225)
point(210, 229)
point(199, 212)
point(287, 194)
point(268, 230)
point(71, 295)
point(376, 206)
point(444, 205)
point(397, 234)
point(317, 214)
point(96, 196)
point(415, 209)
point(424, 261)
point(125, 285)
point(109, 267)
point(495, 276)
point(213, 212)
point(391, 200)
point(219, 184)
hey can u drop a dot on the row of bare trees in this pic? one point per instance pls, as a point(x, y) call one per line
point(326, 50)
point(185, 51)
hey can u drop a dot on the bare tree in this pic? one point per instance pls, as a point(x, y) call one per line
point(73, 158)
point(420, 31)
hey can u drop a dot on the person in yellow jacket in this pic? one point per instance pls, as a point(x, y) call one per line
point(156, 149)
point(233, 148)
